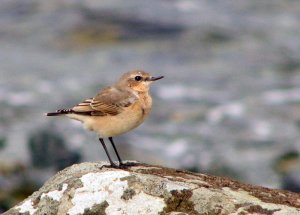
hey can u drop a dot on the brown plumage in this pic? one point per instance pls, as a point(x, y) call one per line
point(116, 109)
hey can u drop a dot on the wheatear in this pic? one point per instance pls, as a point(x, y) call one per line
point(116, 109)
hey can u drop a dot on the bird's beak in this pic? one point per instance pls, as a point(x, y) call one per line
point(155, 78)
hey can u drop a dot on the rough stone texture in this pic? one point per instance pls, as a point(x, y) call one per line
point(93, 188)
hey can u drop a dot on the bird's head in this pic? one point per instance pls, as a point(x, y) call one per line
point(138, 80)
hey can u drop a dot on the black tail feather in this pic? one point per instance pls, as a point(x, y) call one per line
point(60, 112)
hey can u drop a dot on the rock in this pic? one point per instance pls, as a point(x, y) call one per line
point(95, 188)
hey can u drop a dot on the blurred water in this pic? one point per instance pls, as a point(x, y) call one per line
point(229, 103)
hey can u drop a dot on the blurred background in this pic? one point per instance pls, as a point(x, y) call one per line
point(229, 104)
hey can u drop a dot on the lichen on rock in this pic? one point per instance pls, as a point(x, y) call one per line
point(94, 188)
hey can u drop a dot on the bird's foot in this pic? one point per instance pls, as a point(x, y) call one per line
point(127, 165)
point(121, 165)
point(111, 165)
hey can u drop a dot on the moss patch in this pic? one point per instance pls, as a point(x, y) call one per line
point(180, 202)
point(131, 180)
point(48, 206)
point(256, 209)
point(128, 194)
point(97, 209)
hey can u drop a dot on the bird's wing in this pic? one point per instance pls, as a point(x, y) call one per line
point(110, 101)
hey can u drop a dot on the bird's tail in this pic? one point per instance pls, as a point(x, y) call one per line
point(59, 112)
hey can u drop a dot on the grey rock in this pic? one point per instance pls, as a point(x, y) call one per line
point(96, 188)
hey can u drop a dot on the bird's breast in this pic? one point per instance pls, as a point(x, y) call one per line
point(145, 104)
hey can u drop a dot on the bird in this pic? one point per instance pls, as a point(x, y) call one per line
point(116, 109)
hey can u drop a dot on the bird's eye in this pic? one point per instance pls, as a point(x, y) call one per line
point(138, 78)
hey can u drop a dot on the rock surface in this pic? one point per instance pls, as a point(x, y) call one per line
point(93, 188)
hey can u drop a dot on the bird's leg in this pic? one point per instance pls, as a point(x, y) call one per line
point(106, 151)
point(112, 143)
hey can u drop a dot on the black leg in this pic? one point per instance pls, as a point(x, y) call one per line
point(106, 151)
point(112, 143)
